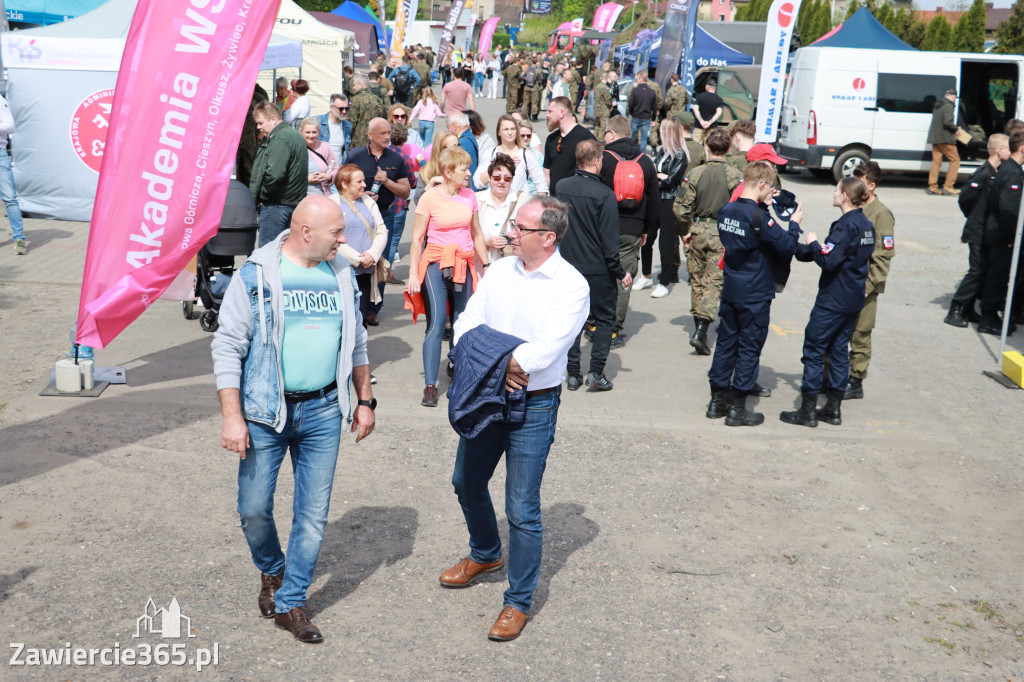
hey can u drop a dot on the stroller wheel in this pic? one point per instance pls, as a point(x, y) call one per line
point(209, 321)
point(188, 309)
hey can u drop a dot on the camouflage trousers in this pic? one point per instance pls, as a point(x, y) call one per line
point(512, 94)
point(653, 138)
point(860, 341)
point(702, 263)
point(531, 100)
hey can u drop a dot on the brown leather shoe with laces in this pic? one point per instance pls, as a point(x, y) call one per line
point(297, 622)
point(508, 626)
point(466, 571)
point(269, 584)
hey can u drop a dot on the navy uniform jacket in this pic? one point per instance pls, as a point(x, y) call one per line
point(844, 260)
point(748, 275)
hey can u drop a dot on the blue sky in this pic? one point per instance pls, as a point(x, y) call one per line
point(949, 4)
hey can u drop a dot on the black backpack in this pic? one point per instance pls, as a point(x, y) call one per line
point(531, 76)
point(401, 80)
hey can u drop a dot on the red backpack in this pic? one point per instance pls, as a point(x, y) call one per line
point(628, 181)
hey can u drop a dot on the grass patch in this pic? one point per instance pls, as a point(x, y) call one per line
point(942, 641)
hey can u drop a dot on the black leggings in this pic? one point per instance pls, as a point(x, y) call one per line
point(363, 282)
point(668, 242)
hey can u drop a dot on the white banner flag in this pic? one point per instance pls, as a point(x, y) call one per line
point(779, 32)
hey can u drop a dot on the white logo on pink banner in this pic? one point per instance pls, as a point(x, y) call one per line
point(89, 126)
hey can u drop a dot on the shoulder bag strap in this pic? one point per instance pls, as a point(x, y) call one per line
point(504, 225)
point(320, 155)
point(355, 209)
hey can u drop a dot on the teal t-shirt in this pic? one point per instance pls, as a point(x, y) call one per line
point(312, 326)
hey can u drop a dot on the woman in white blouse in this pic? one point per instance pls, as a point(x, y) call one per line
point(526, 165)
point(497, 204)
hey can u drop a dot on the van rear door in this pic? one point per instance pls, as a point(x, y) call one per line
point(909, 85)
point(799, 96)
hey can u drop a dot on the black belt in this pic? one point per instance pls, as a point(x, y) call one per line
point(303, 396)
point(541, 391)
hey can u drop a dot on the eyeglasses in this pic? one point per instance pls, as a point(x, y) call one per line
point(512, 226)
point(400, 117)
point(501, 178)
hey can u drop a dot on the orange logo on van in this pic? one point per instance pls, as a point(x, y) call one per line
point(786, 15)
point(859, 84)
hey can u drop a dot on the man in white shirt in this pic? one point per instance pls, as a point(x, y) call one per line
point(539, 297)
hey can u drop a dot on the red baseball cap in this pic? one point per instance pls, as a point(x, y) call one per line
point(764, 152)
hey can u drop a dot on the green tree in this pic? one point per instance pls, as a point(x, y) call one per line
point(317, 5)
point(885, 15)
point(1010, 33)
point(969, 34)
point(851, 8)
point(939, 35)
point(821, 22)
point(804, 20)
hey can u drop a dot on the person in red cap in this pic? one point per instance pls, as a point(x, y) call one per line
point(761, 152)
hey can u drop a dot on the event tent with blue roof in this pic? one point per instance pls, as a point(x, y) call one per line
point(709, 51)
point(355, 12)
point(862, 30)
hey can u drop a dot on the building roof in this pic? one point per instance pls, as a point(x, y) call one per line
point(927, 15)
point(995, 16)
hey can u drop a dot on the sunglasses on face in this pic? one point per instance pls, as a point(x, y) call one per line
point(342, 109)
point(526, 136)
point(400, 117)
point(501, 178)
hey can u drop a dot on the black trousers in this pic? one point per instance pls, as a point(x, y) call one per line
point(603, 295)
point(997, 276)
point(971, 285)
point(665, 234)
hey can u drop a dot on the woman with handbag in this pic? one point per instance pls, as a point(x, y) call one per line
point(499, 204)
point(450, 264)
point(526, 167)
point(323, 167)
point(366, 236)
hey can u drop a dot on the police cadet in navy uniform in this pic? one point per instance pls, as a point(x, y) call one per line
point(844, 261)
point(751, 238)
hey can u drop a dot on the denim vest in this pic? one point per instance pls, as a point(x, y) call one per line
point(261, 374)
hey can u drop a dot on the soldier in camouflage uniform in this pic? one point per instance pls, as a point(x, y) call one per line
point(603, 102)
point(380, 63)
point(696, 151)
point(653, 138)
point(741, 137)
point(706, 191)
point(428, 57)
point(379, 89)
point(422, 70)
point(531, 92)
point(676, 98)
point(364, 106)
point(573, 79)
point(513, 74)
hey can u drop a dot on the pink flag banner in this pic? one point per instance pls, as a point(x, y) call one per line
point(606, 15)
point(487, 34)
point(182, 94)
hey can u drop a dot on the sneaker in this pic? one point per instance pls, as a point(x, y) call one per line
point(450, 371)
point(429, 396)
point(574, 381)
point(642, 283)
point(618, 341)
point(20, 248)
point(395, 280)
point(660, 291)
point(398, 259)
point(598, 383)
point(373, 379)
point(588, 333)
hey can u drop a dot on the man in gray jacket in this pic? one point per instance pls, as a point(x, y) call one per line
point(942, 138)
point(289, 348)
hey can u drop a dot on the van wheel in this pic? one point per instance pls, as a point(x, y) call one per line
point(847, 162)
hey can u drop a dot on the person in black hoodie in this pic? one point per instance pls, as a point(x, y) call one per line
point(974, 204)
point(591, 246)
point(638, 216)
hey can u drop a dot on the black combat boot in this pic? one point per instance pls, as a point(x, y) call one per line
point(830, 414)
point(855, 391)
point(955, 317)
point(990, 323)
point(719, 405)
point(739, 415)
point(807, 414)
point(699, 340)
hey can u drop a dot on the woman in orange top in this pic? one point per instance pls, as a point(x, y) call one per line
point(447, 219)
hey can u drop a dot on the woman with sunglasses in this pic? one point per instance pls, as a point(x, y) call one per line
point(426, 112)
point(447, 268)
point(526, 167)
point(399, 113)
point(499, 203)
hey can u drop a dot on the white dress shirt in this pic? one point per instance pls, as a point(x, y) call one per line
point(546, 308)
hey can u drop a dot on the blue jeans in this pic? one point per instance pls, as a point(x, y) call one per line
point(9, 195)
point(396, 235)
point(389, 222)
point(312, 434)
point(478, 83)
point(526, 449)
point(435, 298)
point(644, 126)
point(427, 132)
point(273, 219)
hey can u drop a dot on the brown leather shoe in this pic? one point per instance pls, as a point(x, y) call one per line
point(269, 585)
point(297, 622)
point(508, 626)
point(466, 571)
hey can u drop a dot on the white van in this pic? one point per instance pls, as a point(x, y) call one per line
point(844, 106)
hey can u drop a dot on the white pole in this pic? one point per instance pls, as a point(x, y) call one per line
point(1010, 285)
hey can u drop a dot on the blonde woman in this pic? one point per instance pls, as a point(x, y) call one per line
point(447, 268)
point(671, 163)
point(430, 172)
point(322, 165)
point(527, 168)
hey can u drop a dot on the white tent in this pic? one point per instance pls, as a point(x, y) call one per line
point(325, 50)
point(60, 87)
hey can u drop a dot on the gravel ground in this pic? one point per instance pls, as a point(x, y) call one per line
point(675, 547)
